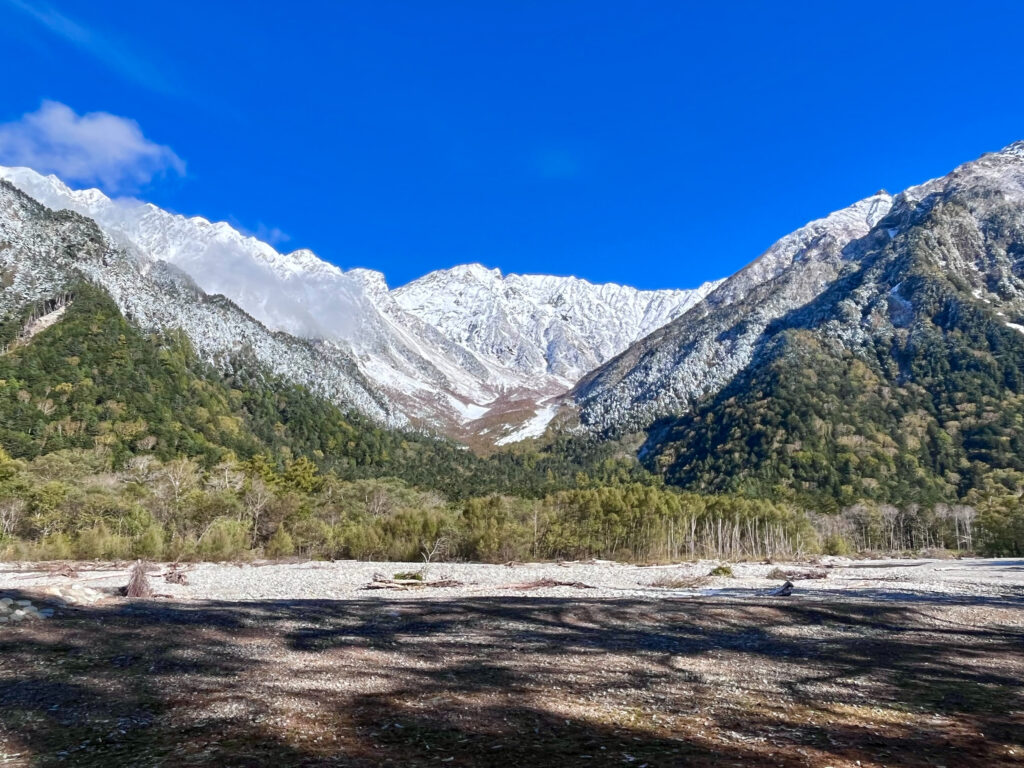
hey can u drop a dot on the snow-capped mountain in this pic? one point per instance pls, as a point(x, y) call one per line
point(844, 278)
point(465, 350)
point(701, 351)
point(43, 255)
point(540, 325)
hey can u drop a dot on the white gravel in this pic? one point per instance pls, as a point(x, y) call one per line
point(872, 579)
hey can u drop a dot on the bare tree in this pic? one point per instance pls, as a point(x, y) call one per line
point(439, 549)
point(255, 502)
point(378, 503)
point(225, 477)
point(963, 520)
point(11, 513)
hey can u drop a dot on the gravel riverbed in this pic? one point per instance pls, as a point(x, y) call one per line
point(877, 664)
point(875, 579)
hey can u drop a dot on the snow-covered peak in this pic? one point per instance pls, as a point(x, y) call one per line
point(540, 325)
point(472, 271)
point(297, 292)
point(1016, 149)
point(374, 282)
point(452, 347)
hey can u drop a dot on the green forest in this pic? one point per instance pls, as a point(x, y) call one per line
point(116, 444)
point(929, 418)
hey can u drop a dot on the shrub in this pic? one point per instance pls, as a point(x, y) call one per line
point(98, 543)
point(721, 570)
point(835, 544)
point(150, 544)
point(224, 540)
point(56, 546)
point(280, 544)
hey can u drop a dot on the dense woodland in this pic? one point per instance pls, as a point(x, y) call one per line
point(929, 418)
point(117, 444)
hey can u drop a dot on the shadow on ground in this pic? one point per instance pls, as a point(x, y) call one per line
point(513, 681)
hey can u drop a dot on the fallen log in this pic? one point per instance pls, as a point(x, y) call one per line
point(406, 584)
point(546, 583)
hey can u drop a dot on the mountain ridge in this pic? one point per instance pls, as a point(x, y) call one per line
point(882, 362)
point(438, 372)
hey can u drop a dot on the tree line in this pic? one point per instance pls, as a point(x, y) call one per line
point(120, 444)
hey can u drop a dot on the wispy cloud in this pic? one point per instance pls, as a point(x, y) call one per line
point(272, 235)
point(110, 52)
point(92, 148)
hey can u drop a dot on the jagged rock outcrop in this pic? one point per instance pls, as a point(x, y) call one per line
point(44, 252)
point(463, 350)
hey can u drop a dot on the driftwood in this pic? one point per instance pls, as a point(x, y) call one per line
point(175, 573)
point(546, 583)
point(66, 570)
point(138, 582)
point(784, 591)
point(382, 582)
point(794, 574)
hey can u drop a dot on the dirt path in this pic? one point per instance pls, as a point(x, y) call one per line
point(517, 681)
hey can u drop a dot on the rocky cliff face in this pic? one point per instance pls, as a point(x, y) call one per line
point(882, 357)
point(43, 253)
point(464, 350)
point(703, 349)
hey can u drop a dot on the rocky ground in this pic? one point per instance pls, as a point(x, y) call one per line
point(897, 663)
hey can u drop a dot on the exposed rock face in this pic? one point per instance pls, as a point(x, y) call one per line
point(464, 350)
point(707, 346)
point(882, 358)
point(539, 324)
point(43, 253)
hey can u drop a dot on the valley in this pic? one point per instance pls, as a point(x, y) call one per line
point(825, 677)
point(511, 385)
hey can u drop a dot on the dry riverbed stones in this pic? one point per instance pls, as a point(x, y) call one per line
point(16, 611)
point(76, 594)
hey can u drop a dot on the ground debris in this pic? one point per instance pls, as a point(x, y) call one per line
point(383, 582)
point(66, 570)
point(797, 574)
point(138, 582)
point(784, 591)
point(547, 583)
point(176, 577)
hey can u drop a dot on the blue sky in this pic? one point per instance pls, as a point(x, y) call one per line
point(658, 144)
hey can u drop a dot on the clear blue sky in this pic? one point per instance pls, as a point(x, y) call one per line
point(657, 144)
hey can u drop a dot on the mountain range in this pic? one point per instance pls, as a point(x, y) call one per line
point(465, 350)
point(874, 353)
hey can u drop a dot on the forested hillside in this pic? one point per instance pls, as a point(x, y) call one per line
point(901, 384)
point(119, 444)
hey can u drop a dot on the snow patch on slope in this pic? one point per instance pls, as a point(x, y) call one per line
point(442, 349)
point(534, 427)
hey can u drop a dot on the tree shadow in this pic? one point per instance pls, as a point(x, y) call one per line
point(500, 681)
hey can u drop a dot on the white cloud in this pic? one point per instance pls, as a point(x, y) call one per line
point(113, 53)
point(272, 235)
point(94, 148)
